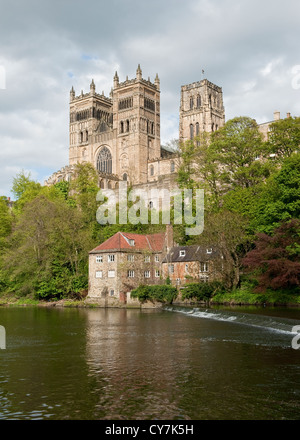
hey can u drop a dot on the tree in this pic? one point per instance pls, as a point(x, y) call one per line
point(226, 231)
point(237, 147)
point(48, 249)
point(284, 138)
point(83, 191)
point(279, 199)
point(275, 260)
point(5, 220)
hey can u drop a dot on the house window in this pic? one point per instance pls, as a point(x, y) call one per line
point(99, 259)
point(99, 274)
point(156, 258)
point(203, 267)
point(186, 267)
point(111, 274)
point(182, 253)
point(112, 292)
point(111, 258)
point(172, 167)
point(131, 242)
point(157, 274)
point(130, 258)
point(204, 279)
point(147, 259)
point(171, 268)
point(209, 251)
point(147, 274)
point(131, 274)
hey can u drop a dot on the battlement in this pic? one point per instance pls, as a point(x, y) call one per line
point(138, 79)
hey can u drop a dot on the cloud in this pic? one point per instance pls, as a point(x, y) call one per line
point(250, 49)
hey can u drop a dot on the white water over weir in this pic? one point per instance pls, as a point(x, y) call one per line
point(260, 321)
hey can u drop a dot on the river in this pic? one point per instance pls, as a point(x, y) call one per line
point(172, 364)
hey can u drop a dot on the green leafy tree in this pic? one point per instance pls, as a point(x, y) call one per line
point(226, 231)
point(279, 198)
point(48, 247)
point(83, 191)
point(237, 147)
point(284, 138)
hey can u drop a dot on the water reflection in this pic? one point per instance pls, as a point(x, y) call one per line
point(127, 364)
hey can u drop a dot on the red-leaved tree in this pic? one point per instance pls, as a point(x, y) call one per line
point(275, 260)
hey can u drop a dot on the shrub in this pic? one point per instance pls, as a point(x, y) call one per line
point(202, 291)
point(160, 293)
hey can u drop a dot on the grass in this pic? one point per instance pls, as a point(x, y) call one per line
point(245, 296)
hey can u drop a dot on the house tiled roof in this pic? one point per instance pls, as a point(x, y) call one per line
point(123, 241)
point(190, 253)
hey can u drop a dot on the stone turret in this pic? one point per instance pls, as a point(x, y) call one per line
point(72, 94)
point(92, 87)
point(157, 82)
point(116, 80)
point(139, 73)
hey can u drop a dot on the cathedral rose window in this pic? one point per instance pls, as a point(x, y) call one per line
point(104, 161)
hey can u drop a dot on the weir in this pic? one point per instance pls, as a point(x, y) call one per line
point(269, 323)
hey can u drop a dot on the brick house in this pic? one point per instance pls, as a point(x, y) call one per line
point(122, 263)
point(185, 264)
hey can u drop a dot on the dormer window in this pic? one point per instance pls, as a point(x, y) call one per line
point(182, 253)
point(131, 242)
point(209, 251)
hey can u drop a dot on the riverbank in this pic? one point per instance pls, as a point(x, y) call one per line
point(237, 298)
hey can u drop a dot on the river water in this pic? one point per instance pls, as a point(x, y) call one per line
point(172, 364)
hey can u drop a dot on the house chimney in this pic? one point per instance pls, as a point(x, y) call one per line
point(276, 116)
point(169, 237)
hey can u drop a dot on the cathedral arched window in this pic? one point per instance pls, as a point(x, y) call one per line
point(151, 170)
point(86, 135)
point(191, 102)
point(197, 134)
point(124, 176)
point(198, 101)
point(104, 161)
point(191, 132)
point(127, 125)
point(122, 127)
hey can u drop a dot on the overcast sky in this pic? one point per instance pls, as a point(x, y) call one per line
point(249, 48)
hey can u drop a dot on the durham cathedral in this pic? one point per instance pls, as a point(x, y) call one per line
point(120, 134)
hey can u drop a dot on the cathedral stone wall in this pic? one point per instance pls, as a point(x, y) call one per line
point(120, 134)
